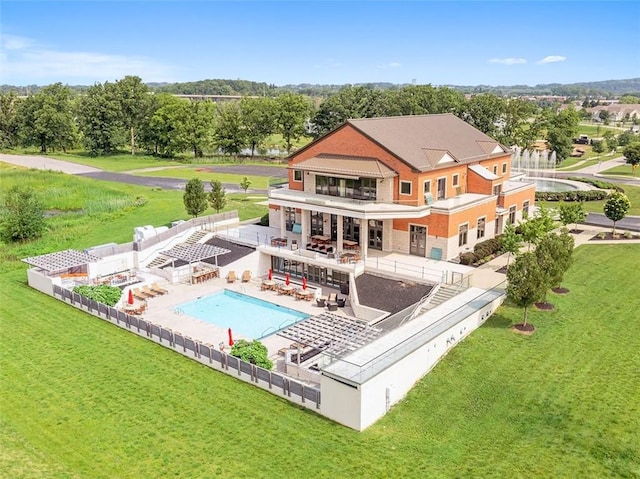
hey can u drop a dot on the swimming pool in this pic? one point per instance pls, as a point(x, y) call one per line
point(246, 316)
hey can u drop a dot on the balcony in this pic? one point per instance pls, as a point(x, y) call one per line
point(363, 209)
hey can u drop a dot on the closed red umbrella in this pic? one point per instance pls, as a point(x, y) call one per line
point(270, 274)
point(287, 280)
point(230, 338)
point(304, 282)
point(130, 301)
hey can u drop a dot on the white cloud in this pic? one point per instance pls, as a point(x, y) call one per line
point(508, 61)
point(24, 62)
point(553, 59)
point(390, 65)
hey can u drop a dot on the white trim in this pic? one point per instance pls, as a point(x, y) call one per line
point(455, 180)
point(410, 183)
point(424, 183)
point(445, 187)
point(504, 168)
point(484, 231)
point(466, 243)
point(301, 176)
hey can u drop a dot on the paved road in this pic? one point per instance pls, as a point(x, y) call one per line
point(45, 163)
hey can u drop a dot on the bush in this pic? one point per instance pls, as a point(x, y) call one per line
point(487, 248)
point(468, 258)
point(605, 185)
point(253, 352)
point(586, 195)
point(264, 221)
point(104, 294)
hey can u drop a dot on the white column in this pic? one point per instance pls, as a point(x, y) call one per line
point(340, 233)
point(283, 223)
point(364, 238)
point(305, 218)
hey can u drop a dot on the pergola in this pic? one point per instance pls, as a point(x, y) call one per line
point(62, 260)
point(195, 252)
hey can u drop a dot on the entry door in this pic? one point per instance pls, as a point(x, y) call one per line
point(418, 240)
point(442, 189)
point(375, 234)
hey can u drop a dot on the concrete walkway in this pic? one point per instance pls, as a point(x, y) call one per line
point(46, 163)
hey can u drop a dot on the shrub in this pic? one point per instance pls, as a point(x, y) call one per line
point(264, 221)
point(605, 185)
point(104, 294)
point(487, 247)
point(468, 258)
point(628, 235)
point(253, 352)
point(586, 195)
point(601, 235)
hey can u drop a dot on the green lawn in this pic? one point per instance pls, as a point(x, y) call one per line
point(596, 130)
point(622, 170)
point(203, 173)
point(80, 398)
point(632, 192)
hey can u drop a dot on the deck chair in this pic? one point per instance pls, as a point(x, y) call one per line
point(333, 298)
point(246, 276)
point(148, 290)
point(158, 289)
point(140, 295)
point(231, 277)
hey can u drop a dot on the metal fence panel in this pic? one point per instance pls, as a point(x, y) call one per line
point(277, 380)
point(178, 339)
point(245, 367)
point(312, 394)
point(189, 344)
point(155, 330)
point(165, 334)
point(232, 362)
point(263, 374)
point(295, 388)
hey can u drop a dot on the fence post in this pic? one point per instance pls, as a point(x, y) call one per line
point(303, 394)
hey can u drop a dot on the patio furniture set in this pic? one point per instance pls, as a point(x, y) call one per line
point(200, 275)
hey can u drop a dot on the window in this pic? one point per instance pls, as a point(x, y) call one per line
point(481, 226)
point(512, 215)
point(427, 187)
point(525, 209)
point(362, 188)
point(442, 188)
point(504, 168)
point(462, 234)
point(495, 170)
point(456, 180)
point(497, 189)
point(405, 187)
point(297, 175)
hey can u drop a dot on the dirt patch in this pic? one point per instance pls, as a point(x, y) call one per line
point(560, 290)
point(389, 294)
point(525, 329)
point(544, 306)
point(576, 232)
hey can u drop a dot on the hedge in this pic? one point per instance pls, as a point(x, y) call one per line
point(580, 195)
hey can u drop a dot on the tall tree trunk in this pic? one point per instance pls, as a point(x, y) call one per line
point(525, 316)
point(133, 145)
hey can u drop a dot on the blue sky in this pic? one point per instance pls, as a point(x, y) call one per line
point(328, 42)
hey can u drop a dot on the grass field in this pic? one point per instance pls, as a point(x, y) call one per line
point(622, 170)
point(257, 182)
point(81, 398)
point(596, 130)
point(632, 192)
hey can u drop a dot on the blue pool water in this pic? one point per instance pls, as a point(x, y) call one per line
point(246, 316)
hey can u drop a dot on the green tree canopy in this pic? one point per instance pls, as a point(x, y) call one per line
point(229, 134)
point(562, 127)
point(217, 196)
point(526, 282)
point(134, 99)
point(292, 111)
point(23, 215)
point(632, 154)
point(616, 207)
point(572, 213)
point(258, 120)
point(245, 184)
point(194, 198)
point(100, 119)
point(554, 253)
point(9, 120)
point(511, 241)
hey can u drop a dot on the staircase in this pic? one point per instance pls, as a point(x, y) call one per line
point(194, 238)
point(158, 261)
point(444, 293)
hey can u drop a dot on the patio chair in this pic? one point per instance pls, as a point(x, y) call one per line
point(320, 302)
point(158, 289)
point(140, 295)
point(231, 277)
point(333, 298)
point(246, 276)
point(149, 291)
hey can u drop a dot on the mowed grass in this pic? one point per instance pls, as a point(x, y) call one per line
point(204, 174)
point(622, 170)
point(82, 398)
point(632, 192)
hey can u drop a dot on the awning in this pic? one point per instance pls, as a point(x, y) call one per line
point(61, 260)
point(346, 166)
point(195, 252)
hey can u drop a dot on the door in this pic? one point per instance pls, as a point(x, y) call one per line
point(442, 188)
point(375, 234)
point(418, 240)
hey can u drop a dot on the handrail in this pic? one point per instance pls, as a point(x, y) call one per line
point(421, 304)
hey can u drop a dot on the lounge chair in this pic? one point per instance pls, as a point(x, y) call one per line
point(140, 295)
point(246, 276)
point(231, 277)
point(320, 302)
point(333, 298)
point(158, 289)
point(146, 289)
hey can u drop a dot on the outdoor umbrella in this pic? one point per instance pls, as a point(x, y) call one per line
point(230, 338)
point(270, 274)
point(286, 280)
point(130, 300)
point(304, 282)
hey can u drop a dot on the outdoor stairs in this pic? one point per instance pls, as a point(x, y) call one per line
point(444, 293)
point(158, 261)
point(194, 238)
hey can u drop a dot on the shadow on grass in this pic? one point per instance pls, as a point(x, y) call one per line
point(499, 321)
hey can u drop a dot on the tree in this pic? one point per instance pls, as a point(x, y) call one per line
point(536, 227)
point(47, 119)
point(100, 119)
point(133, 96)
point(616, 207)
point(229, 134)
point(572, 213)
point(632, 154)
point(291, 113)
point(217, 196)
point(525, 282)
point(554, 252)
point(562, 127)
point(23, 216)
point(9, 119)
point(195, 199)
point(597, 146)
point(604, 115)
point(485, 112)
point(511, 241)
point(257, 119)
point(168, 127)
point(199, 125)
point(253, 352)
point(245, 184)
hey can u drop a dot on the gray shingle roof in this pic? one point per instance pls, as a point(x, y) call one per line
point(419, 139)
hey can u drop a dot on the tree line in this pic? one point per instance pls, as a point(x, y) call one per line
point(108, 116)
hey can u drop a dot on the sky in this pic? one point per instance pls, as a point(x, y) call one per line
point(326, 42)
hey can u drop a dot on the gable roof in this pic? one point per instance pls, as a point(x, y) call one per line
point(422, 141)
